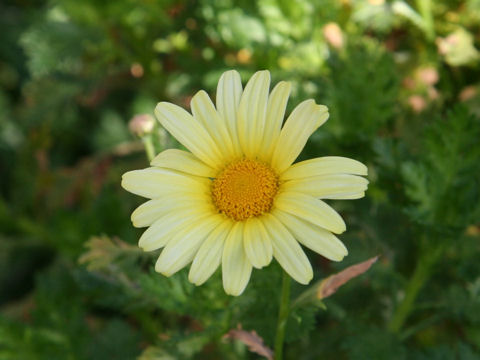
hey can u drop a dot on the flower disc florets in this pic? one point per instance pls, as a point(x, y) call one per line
point(245, 189)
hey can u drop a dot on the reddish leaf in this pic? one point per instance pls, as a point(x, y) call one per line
point(252, 340)
point(333, 282)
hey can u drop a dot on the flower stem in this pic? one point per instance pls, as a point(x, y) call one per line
point(420, 275)
point(424, 7)
point(282, 316)
point(149, 147)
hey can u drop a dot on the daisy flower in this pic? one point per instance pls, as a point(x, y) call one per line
point(236, 199)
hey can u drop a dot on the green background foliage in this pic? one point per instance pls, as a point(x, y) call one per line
point(401, 79)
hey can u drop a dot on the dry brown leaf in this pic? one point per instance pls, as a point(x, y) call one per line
point(252, 340)
point(333, 282)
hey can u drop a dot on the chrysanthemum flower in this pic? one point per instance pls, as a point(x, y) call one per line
point(236, 198)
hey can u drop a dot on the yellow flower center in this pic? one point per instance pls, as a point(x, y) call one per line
point(245, 189)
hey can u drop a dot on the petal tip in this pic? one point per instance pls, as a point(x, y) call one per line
point(125, 183)
point(194, 279)
point(365, 170)
point(162, 270)
point(322, 108)
point(136, 223)
point(341, 229)
point(234, 292)
point(340, 256)
point(263, 73)
point(232, 72)
point(306, 280)
point(141, 243)
point(161, 105)
point(198, 95)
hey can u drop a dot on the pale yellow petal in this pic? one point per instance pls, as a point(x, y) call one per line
point(277, 103)
point(257, 243)
point(315, 238)
point(324, 166)
point(162, 230)
point(350, 196)
point(150, 211)
point(155, 182)
point(252, 112)
point(336, 186)
point(209, 256)
point(287, 251)
point(204, 111)
point(189, 132)
point(229, 92)
point(181, 249)
point(236, 269)
point(183, 161)
point(302, 122)
point(310, 209)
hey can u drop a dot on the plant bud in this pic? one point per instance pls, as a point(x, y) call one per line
point(141, 124)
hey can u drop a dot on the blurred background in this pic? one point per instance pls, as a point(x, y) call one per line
point(402, 81)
